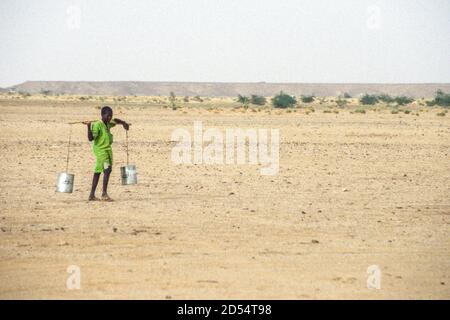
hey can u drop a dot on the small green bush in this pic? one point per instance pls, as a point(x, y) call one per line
point(24, 94)
point(307, 99)
point(442, 99)
point(385, 98)
point(402, 100)
point(173, 100)
point(198, 98)
point(258, 100)
point(341, 102)
point(283, 100)
point(368, 99)
point(244, 100)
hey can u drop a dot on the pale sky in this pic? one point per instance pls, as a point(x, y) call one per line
point(391, 41)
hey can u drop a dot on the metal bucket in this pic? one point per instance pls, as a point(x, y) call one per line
point(128, 174)
point(65, 182)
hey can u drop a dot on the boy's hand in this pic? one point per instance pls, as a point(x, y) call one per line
point(126, 126)
point(88, 123)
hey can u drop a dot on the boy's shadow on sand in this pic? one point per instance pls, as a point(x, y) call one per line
point(149, 197)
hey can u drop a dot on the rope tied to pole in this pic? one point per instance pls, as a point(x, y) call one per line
point(68, 149)
point(126, 138)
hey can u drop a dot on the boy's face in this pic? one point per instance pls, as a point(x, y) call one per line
point(107, 117)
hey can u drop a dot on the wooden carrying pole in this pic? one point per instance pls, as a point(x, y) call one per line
point(83, 122)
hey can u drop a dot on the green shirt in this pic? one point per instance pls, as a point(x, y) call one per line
point(102, 135)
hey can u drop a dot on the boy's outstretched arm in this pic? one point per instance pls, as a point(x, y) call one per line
point(125, 125)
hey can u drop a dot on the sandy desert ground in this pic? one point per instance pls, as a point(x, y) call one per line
point(353, 190)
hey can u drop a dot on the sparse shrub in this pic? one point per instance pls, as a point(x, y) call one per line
point(186, 99)
point(363, 111)
point(394, 111)
point(24, 94)
point(347, 95)
point(244, 100)
point(442, 99)
point(283, 100)
point(173, 100)
point(307, 99)
point(407, 111)
point(369, 99)
point(258, 100)
point(341, 102)
point(198, 98)
point(385, 98)
point(402, 100)
point(441, 114)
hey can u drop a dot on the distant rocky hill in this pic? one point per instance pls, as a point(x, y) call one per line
point(228, 89)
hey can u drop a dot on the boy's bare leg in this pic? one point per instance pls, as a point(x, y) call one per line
point(106, 174)
point(95, 179)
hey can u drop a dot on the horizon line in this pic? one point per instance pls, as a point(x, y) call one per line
point(234, 82)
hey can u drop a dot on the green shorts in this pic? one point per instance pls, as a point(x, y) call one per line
point(103, 160)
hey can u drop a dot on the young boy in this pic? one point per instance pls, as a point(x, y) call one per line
point(99, 132)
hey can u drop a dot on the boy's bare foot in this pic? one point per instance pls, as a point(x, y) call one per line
point(105, 197)
point(93, 198)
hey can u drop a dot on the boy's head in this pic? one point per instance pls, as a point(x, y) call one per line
point(107, 114)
